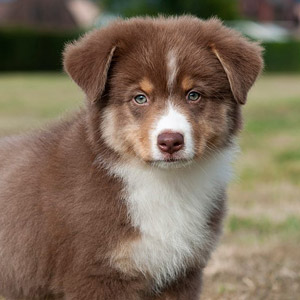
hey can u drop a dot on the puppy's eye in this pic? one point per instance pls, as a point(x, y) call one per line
point(140, 99)
point(193, 96)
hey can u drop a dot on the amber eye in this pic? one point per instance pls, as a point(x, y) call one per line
point(140, 99)
point(193, 96)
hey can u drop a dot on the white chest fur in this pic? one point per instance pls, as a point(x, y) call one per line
point(171, 209)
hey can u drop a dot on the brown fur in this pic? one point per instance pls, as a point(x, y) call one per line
point(62, 214)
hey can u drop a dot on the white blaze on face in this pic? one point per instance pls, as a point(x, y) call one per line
point(171, 69)
point(173, 121)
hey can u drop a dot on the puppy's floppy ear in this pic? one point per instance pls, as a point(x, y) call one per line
point(240, 58)
point(87, 62)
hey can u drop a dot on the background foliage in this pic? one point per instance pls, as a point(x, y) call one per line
point(282, 57)
point(225, 9)
point(34, 50)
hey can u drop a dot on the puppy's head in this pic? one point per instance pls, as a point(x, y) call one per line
point(167, 91)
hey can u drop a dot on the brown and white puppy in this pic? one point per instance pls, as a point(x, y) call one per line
point(125, 199)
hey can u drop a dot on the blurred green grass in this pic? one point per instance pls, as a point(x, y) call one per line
point(28, 100)
point(264, 200)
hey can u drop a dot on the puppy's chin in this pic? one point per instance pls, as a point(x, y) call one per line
point(173, 161)
point(171, 164)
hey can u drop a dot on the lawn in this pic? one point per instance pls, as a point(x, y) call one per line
point(258, 256)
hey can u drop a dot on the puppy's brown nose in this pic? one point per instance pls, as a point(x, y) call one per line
point(170, 142)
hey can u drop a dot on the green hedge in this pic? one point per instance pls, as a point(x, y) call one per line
point(282, 57)
point(34, 50)
point(31, 50)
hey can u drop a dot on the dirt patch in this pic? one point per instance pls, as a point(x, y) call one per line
point(256, 272)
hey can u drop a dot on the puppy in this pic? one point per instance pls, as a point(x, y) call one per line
point(125, 199)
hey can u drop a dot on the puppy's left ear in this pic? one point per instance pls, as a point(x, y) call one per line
point(87, 62)
point(240, 58)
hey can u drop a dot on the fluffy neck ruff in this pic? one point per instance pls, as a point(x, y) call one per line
point(171, 210)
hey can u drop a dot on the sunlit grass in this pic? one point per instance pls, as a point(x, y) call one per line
point(28, 100)
point(263, 226)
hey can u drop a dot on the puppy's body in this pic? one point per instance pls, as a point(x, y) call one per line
point(102, 206)
point(69, 219)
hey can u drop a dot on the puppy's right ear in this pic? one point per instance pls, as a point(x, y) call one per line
point(87, 62)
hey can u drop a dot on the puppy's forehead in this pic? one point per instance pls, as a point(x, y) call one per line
point(167, 63)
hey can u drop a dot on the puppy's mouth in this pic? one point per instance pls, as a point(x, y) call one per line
point(171, 163)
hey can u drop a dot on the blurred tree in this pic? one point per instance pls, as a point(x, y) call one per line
point(225, 9)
